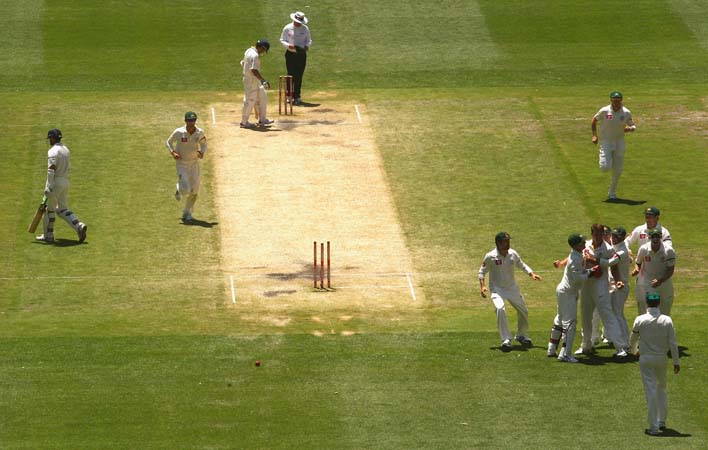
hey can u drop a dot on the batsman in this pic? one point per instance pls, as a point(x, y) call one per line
point(56, 190)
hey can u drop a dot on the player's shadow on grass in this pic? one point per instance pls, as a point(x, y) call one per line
point(670, 432)
point(308, 105)
point(625, 201)
point(62, 243)
point(199, 223)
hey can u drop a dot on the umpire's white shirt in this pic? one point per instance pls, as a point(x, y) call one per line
point(501, 269)
point(297, 36)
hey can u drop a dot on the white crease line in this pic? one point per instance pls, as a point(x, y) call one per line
point(213, 116)
point(410, 285)
point(358, 114)
point(233, 291)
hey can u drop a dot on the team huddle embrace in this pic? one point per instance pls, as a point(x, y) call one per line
point(596, 274)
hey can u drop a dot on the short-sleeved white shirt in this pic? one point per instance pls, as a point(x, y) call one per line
point(187, 145)
point(501, 269)
point(641, 234)
point(251, 60)
point(612, 123)
point(653, 264)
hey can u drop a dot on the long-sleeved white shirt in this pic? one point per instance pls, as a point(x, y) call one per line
point(574, 274)
point(501, 268)
point(655, 334)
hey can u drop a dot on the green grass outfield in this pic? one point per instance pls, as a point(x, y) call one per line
point(481, 110)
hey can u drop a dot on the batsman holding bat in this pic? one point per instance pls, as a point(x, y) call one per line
point(56, 190)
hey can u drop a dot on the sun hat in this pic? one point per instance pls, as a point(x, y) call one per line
point(299, 17)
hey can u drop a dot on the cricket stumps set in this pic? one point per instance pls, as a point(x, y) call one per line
point(285, 92)
point(319, 275)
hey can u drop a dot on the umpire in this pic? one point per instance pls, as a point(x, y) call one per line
point(297, 41)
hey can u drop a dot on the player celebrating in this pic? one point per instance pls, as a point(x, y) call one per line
point(56, 189)
point(565, 322)
point(500, 264)
point(615, 120)
point(187, 145)
point(641, 233)
point(655, 266)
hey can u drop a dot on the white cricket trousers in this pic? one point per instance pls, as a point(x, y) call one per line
point(666, 295)
point(567, 317)
point(254, 94)
point(189, 178)
point(596, 295)
point(653, 369)
point(522, 312)
point(612, 158)
point(618, 299)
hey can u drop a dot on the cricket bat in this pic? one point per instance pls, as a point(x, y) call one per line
point(38, 215)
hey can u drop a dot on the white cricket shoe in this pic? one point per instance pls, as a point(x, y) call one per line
point(568, 359)
point(47, 239)
point(506, 345)
point(187, 217)
point(583, 351)
point(262, 123)
point(247, 125)
point(524, 340)
point(620, 353)
point(81, 231)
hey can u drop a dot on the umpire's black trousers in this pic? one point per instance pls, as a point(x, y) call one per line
point(295, 63)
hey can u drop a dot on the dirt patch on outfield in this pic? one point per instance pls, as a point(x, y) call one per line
point(314, 176)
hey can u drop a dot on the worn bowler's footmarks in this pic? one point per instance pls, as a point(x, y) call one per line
point(314, 176)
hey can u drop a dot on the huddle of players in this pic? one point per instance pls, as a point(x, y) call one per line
point(599, 270)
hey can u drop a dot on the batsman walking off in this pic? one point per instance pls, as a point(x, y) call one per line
point(56, 189)
point(187, 145)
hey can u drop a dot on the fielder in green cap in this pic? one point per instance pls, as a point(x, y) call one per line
point(654, 268)
point(499, 263)
point(653, 335)
point(640, 234)
point(187, 145)
point(566, 321)
point(615, 120)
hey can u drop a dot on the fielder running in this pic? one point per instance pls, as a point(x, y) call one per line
point(57, 189)
point(615, 120)
point(656, 336)
point(187, 145)
point(499, 263)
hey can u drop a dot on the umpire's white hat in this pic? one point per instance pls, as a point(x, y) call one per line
point(299, 17)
